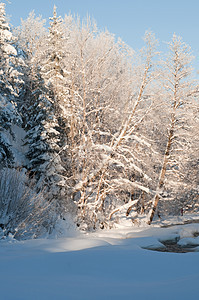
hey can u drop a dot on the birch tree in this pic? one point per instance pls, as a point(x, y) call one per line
point(115, 156)
point(179, 95)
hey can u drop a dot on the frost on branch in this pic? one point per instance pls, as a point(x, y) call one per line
point(109, 134)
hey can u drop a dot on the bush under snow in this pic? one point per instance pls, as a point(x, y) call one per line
point(24, 213)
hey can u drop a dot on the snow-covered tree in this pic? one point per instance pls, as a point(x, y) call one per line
point(29, 37)
point(108, 150)
point(10, 88)
point(105, 128)
point(179, 94)
point(46, 128)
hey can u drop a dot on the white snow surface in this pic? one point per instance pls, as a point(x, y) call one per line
point(10, 50)
point(18, 147)
point(103, 265)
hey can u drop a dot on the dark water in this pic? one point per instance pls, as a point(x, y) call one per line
point(171, 245)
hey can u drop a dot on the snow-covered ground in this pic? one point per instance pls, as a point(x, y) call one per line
point(104, 265)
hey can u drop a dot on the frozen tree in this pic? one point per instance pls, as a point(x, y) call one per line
point(109, 146)
point(7, 52)
point(10, 85)
point(29, 37)
point(47, 132)
point(106, 129)
point(179, 94)
point(30, 34)
point(53, 68)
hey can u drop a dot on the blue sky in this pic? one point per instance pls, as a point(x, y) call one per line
point(128, 19)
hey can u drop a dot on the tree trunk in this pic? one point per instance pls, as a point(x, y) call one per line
point(163, 171)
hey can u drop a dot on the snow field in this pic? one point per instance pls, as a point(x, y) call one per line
point(105, 265)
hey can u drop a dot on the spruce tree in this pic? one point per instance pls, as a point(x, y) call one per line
point(11, 85)
point(47, 131)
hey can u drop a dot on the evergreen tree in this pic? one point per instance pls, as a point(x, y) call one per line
point(30, 35)
point(10, 87)
point(101, 129)
point(47, 132)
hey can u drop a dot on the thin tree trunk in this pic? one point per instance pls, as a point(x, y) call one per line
point(163, 170)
